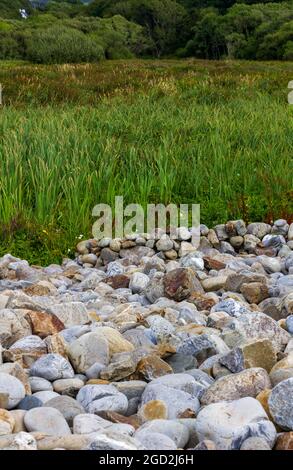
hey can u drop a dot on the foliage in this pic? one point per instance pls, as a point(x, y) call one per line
point(76, 135)
point(209, 29)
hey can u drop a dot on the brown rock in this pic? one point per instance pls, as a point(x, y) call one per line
point(285, 441)
point(153, 409)
point(151, 367)
point(255, 292)
point(97, 382)
point(37, 290)
point(44, 324)
point(117, 282)
point(235, 281)
point(180, 283)
point(56, 345)
point(212, 263)
point(187, 414)
point(4, 398)
point(114, 417)
point(259, 353)
point(263, 398)
point(126, 244)
point(202, 301)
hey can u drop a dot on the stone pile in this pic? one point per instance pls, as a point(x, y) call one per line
point(151, 344)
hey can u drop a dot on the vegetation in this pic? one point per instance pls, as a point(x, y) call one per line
point(71, 136)
point(88, 32)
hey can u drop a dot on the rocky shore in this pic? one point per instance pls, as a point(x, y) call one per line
point(147, 343)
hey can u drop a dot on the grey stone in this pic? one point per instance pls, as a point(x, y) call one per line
point(173, 429)
point(177, 401)
point(255, 443)
point(46, 420)
point(29, 402)
point(281, 404)
point(248, 383)
point(96, 398)
point(13, 387)
point(67, 406)
point(229, 424)
point(38, 384)
point(52, 367)
point(87, 350)
point(155, 441)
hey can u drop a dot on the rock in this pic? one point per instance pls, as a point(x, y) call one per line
point(155, 288)
point(255, 443)
point(67, 406)
point(156, 441)
point(138, 282)
point(151, 367)
point(44, 324)
point(89, 423)
point(229, 423)
point(284, 441)
point(45, 396)
point(22, 441)
point(6, 422)
point(248, 383)
point(119, 281)
point(117, 343)
point(13, 326)
point(177, 401)
point(70, 313)
point(153, 409)
point(233, 361)
point(236, 280)
point(52, 367)
point(255, 292)
point(68, 387)
point(180, 283)
point(122, 366)
point(95, 398)
point(26, 351)
point(258, 229)
point(114, 441)
point(230, 306)
point(87, 350)
point(205, 445)
point(13, 387)
point(259, 353)
point(108, 255)
point(214, 283)
point(46, 420)
point(17, 371)
point(164, 244)
point(38, 384)
point(255, 326)
point(29, 402)
point(290, 232)
point(289, 324)
point(181, 362)
point(281, 404)
point(173, 429)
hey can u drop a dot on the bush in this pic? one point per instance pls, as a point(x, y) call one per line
point(8, 47)
point(58, 44)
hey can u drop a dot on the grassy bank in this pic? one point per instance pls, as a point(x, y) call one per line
point(218, 134)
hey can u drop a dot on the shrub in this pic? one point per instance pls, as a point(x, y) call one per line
point(58, 44)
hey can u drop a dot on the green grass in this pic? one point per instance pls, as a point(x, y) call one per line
point(218, 134)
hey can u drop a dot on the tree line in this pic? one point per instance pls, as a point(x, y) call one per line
point(79, 31)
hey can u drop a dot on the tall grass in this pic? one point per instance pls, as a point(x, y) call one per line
point(189, 136)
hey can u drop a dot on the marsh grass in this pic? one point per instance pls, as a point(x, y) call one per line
point(218, 134)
